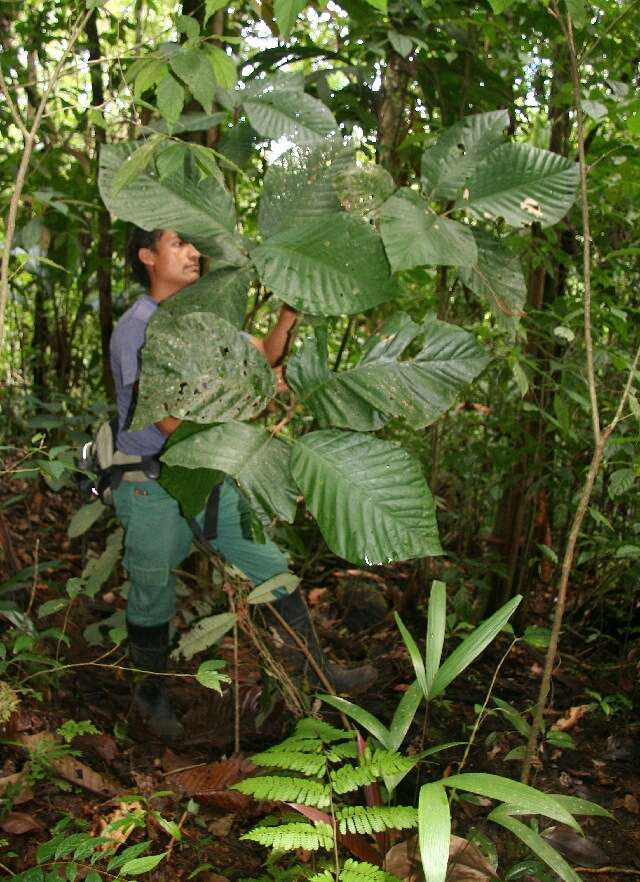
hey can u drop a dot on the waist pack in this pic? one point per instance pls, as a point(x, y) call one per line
point(110, 466)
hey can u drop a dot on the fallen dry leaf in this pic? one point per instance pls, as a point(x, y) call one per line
point(574, 716)
point(103, 745)
point(24, 794)
point(71, 769)
point(19, 822)
point(120, 835)
point(209, 783)
point(577, 849)
point(466, 862)
point(221, 826)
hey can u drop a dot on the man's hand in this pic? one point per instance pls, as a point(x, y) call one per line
point(168, 425)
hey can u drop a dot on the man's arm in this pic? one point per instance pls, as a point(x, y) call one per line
point(275, 345)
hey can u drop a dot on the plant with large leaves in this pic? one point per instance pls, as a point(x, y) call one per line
point(322, 252)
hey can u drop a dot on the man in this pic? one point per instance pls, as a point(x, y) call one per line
point(157, 537)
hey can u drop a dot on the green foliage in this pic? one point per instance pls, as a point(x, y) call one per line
point(289, 837)
point(296, 761)
point(375, 818)
point(286, 789)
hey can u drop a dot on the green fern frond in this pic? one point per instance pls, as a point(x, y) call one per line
point(284, 789)
point(346, 750)
point(360, 871)
point(375, 818)
point(289, 837)
point(295, 761)
point(382, 763)
point(304, 745)
point(322, 876)
point(310, 728)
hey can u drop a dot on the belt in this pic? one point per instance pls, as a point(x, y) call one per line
point(123, 464)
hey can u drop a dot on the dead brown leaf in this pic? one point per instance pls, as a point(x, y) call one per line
point(72, 769)
point(574, 716)
point(578, 849)
point(466, 862)
point(24, 794)
point(209, 783)
point(103, 745)
point(221, 826)
point(19, 822)
point(120, 835)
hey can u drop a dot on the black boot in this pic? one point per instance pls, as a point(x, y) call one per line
point(294, 611)
point(149, 651)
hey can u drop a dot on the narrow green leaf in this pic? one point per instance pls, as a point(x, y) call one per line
point(514, 716)
point(415, 655)
point(404, 715)
point(514, 793)
point(536, 843)
point(274, 589)
point(436, 625)
point(224, 68)
point(579, 806)
point(85, 518)
point(150, 74)
point(141, 865)
point(361, 716)
point(434, 831)
point(472, 646)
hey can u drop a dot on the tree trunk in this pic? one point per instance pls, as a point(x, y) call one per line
point(104, 245)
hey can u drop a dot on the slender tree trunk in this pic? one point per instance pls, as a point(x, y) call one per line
point(104, 244)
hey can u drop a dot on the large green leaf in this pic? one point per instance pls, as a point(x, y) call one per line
point(298, 186)
point(472, 646)
point(535, 842)
point(522, 184)
point(497, 278)
point(513, 792)
point(191, 487)
point(362, 189)
point(222, 292)
point(249, 453)
point(413, 235)
point(199, 209)
point(199, 367)
point(434, 831)
point(369, 497)
point(278, 113)
point(331, 266)
point(447, 165)
point(418, 390)
point(332, 403)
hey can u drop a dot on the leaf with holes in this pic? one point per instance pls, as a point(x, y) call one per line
point(257, 460)
point(223, 292)
point(331, 266)
point(413, 235)
point(369, 497)
point(523, 185)
point(418, 390)
point(447, 166)
point(299, 185)
point(199, 367)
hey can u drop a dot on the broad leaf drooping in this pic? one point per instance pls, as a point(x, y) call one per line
point(369, 497)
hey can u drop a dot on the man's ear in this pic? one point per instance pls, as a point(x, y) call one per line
point(147, 257)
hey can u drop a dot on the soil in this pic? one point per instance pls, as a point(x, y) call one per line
point(121, 772)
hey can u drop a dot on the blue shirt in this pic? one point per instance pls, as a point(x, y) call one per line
point(126, 342)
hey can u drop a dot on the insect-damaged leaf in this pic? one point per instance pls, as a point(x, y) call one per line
point(199, 367)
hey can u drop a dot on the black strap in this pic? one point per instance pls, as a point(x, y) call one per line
point(211, 513)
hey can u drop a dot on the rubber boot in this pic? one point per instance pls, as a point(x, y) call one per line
point(294, 611)
point(149, 651)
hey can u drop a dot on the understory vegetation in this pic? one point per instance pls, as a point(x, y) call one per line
point(447, 193)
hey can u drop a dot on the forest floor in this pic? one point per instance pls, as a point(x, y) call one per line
point(116, 772)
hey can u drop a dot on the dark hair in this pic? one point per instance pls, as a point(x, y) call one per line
point(140, 239)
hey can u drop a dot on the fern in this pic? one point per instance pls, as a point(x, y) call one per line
point(322, 876)
point(310, 728)
point(381, 764)
point(346, 750)
point(308, 764)
point(284, 789)
point(289, 837)
point(375, 818)
point(304, 745)
point(360, 871)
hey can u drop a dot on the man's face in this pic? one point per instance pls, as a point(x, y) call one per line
point(172, 262)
